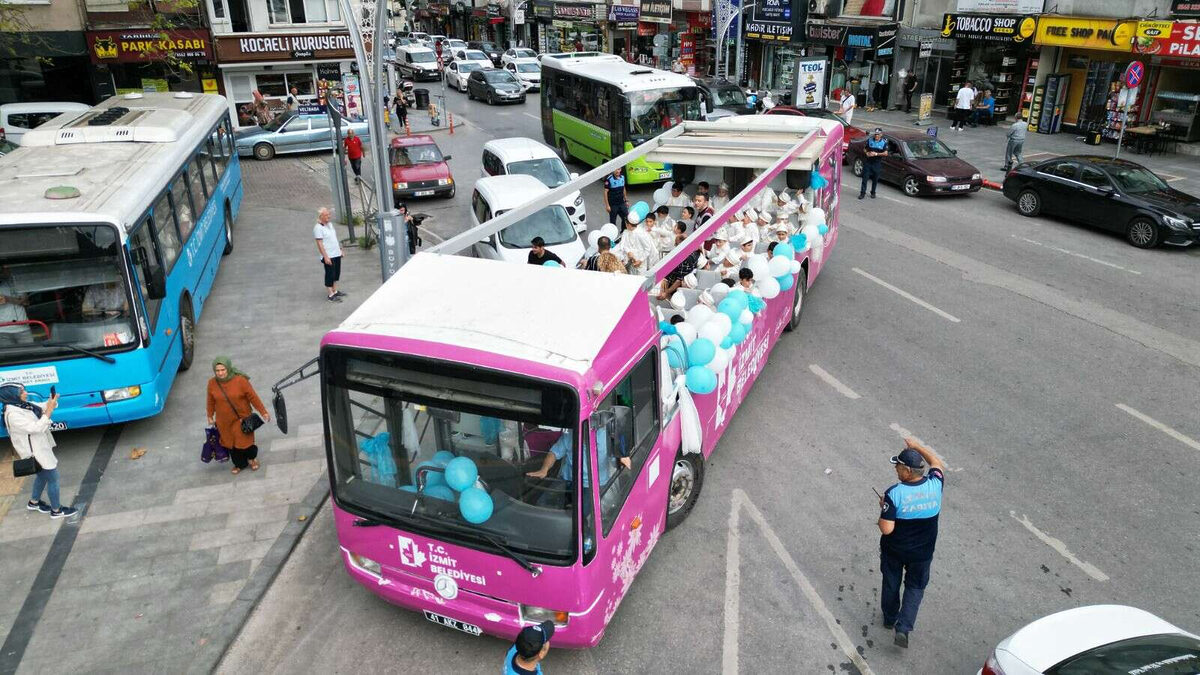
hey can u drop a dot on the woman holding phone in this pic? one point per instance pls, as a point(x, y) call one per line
point(28, 428)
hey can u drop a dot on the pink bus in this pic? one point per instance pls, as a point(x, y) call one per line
point(507, 443)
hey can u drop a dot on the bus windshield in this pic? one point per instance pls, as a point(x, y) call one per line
point(549, 170)
point(62, 286)
point(653, 111)
point(399, 428)
point(551, 223)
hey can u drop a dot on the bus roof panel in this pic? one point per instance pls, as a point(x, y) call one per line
point(561, 317)
point(618, 72)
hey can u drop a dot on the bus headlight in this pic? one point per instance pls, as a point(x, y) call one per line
point(366, 564)
point(539, 614)
point(121, 394)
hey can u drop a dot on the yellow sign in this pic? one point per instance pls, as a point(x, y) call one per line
point(925, 111)
point(1062, 31)
point(209, 84)
point(1150, 30)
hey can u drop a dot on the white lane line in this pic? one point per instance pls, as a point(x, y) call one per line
point(905, 433)
point(1057, 544)
point(1190, 442)
point(729, 659)
point(733, 590)
point(1077, 255)
point(527, 114)
point(906, 202)
point(833, 382)
point(905, 294)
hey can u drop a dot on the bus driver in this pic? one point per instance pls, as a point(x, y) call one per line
point(561, 450)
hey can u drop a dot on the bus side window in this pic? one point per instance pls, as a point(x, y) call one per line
point(195, 174)
point(587, 501)
point(142, 241)
point(630, 413)
point(165, 232)
point(182, 206)
point(216, 153)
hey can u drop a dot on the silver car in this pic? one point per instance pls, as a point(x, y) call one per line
point(292, 132)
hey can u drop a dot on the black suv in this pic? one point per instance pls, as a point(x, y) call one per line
point(495, 86)
point(487, 47)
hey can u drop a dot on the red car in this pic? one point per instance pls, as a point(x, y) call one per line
point(419, 169)
point(849, 133)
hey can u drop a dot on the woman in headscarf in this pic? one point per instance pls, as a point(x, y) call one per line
point(230, 399)
point(28, 428)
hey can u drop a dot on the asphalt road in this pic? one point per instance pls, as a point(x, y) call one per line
point(1053, 367)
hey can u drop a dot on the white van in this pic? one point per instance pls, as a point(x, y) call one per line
point(510, 156)
point(495, 195)
point(17, 118)
point(418, 63)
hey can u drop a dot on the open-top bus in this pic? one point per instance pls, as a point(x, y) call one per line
point(598, 106)
point(113, 221)
point(464, 402)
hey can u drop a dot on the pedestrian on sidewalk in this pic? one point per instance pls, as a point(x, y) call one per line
point(1016, 142)
point(873, 164)
point(28, 427)
point(908, 522)
point(910, 88)
point(526, 654)
point(848, 103)
point(354, 152)
point(229, 395)
point(330, 250)
point(964, 100)
point(401, 108)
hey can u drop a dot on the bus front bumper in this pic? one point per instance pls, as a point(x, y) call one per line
point(91, 409)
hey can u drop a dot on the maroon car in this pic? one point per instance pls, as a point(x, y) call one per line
point(849, 133)
point(419, 169)
point(920, 164)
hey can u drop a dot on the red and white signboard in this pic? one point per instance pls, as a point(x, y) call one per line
point(1134, 73)
point(1180, 48)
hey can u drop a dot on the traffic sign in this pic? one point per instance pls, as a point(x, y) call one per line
point(1134, 73)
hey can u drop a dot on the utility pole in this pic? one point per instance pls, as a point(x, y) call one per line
point(740, 56)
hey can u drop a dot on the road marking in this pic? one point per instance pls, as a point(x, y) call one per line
point(833, 382)
point(531, 115)
point(1040, 154)
point(733, 577)
point(905, 433)
point(1057, 544)
point(431, 233)
point(905, 294)
point(1077, 255)
point(906, 202)
point(1190, 442)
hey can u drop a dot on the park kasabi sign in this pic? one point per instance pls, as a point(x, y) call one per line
point(139, 46)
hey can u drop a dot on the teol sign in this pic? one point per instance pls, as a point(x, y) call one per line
point(128, 46)
point(279, 47)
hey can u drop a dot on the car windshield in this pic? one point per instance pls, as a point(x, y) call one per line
point(528, 68)
point(653, 111)
point(551, 223)
point(280, 120)
point(423, 56)
point(928, 149)
point(729, 96)
point(468, 67)
point(487, 46)
point(446, 450)
point(416, 154)
point(525, 54)
point(1152, 654)
point(62, 285)
point(499, 77)
point(475, 55)
point(1136, 179)
point(549, 170)
point(456, 44)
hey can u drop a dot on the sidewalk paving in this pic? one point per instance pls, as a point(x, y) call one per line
point(983, 147)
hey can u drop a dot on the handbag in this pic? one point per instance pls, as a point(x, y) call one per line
point(250, 422)
point(27, 466)
point(212, 447)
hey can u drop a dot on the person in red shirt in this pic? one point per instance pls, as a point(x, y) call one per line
point(354, 151)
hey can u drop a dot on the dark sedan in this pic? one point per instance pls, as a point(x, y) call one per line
point(850, 133)
point(489, 48)
point(920, 164)
point(495, 86)
point(1114, 194)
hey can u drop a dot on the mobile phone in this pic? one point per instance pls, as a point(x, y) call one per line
point(54, 393)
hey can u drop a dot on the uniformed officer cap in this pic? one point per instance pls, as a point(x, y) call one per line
point(910, 458)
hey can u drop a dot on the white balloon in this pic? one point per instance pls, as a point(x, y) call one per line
point(796, 267)
point(815, 216)
point(686, 331)
point(758, 264)
point(699, 314)
point(719, 291)
point(609, 230)
point(594, 238)
point(713, 331)
point(662, 194)
point(768, 287)
point(723, 321)
point(778, 266)
point(746, 317)
point(720, 359)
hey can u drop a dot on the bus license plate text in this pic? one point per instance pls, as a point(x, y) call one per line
point(453, 623)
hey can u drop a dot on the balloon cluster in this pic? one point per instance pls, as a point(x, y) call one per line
point(706, 343)
point(457, 481)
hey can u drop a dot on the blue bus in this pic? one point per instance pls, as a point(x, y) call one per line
point(113, 222)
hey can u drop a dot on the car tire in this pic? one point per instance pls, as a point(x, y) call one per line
point(798, 301)
point(1029, 203)
point(857, 167)
point(450, 194)
point(264, 152)
point(228, 231)
point(687, 479)
point(470, 96)
point(491, 100)
point(187, 332)
point(912, 186)
point(1143, 233)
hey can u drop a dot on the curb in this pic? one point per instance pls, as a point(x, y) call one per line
point(209, 657)
point(992, 185)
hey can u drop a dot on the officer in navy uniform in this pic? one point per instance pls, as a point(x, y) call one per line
point(616, 199)
point(908, 520)
point(875, 151)
point(530, 648)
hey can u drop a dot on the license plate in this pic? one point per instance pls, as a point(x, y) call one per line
point(58, 426)
point(454, 623)
point(960, 187)
point(422, 193)
point(664, 175)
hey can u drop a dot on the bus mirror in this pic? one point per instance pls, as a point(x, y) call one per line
point(156, 283)
point(280, 407)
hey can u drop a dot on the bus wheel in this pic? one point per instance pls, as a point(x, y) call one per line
point(563, 153)
point(798, 301)
point(228, 231)
point(187, 332)
point(687, 478)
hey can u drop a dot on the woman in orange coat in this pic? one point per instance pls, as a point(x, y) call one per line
point(231, 398)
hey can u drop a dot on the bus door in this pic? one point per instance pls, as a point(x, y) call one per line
point(149, 279)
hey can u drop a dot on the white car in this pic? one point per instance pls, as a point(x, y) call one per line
point(473, 56)
point(419, 37)
point(455, 44)
point(457, 73)
point(17, 118)
point(496, 195)
point(1096, 640)
point(513, 156)
point(528, 71)
point(517, 54)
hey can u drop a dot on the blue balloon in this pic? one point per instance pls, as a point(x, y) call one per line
point(740, 296)
point(823, 229)
point(727, 342)
point(461, 473)
point(757, 304)
point(475, 505)
point(667, 327)
point(785, 282)
point(676, 353)
point(431, 477)
point(701, 352)
point(441, 458)
point(551, 263)
point(731, 308)
point(739, 333)
point(641, 209)
point(799, 241)
point(701, 380)
point(785, 250)
point(440, 492)
point(817, 181)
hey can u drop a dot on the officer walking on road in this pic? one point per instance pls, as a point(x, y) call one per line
point(873, 164)
point(908, 520)
point(532, 645)
point(616, 199)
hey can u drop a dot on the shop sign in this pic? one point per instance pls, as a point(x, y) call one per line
point(776, 19)
point(687, 53)
point(1108, 34)
point(656, 11)
point(625, 16)
point(493, 11)
point(925, 49)
point(1001, 6)
point(1153, 30)
point(647, 29)
point(543, 10)
point(827, 33)
point(1182, 42)
point(989, 27)
point(209, 84)
point(875, 9)
point(139, 46)
point(810, 83)
point(925, 108)
point(519, 17)
point(1185, 8)
point(574, 11)
point(329, 71)
point(279, 47)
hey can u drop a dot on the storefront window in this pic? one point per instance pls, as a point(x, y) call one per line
point(272, 84)
point(302, 11)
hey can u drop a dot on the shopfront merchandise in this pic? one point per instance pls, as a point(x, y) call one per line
point(993, 51)
point(1173, 55)
point(1092, 52)
point(860, 57)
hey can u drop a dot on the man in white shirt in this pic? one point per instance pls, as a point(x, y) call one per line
point(964, 100)
point(848, 104)
point(330, 250)
point(104, 300)
point(12, 310)
point(678, 196)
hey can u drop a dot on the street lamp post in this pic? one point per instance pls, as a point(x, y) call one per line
point(721, 37)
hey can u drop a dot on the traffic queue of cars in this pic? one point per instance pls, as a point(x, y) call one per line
point(477, 68)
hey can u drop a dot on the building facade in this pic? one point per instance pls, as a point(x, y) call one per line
point(44, 57)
